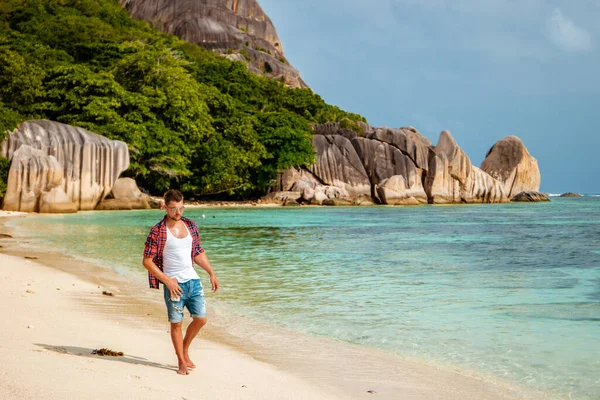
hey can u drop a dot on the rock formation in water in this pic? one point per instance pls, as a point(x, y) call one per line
point(391, 166)
point(382, 165)
point(394, 160)
point(237, 29)
point(530, 196)
point(453, 179)
point(126, 196)
point(510, 163)
point(338, 165)
point(570, 194)
point(60, 168)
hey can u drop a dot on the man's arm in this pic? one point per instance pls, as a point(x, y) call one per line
point(203, 262)
point(170, 283)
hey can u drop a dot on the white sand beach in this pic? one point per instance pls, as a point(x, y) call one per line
point(55, 315)
point(50, 330)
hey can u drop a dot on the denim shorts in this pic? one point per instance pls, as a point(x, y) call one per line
point(192, 297)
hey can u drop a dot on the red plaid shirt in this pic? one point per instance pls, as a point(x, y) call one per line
point(155, 244)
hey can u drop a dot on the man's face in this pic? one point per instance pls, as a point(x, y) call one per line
point(174, 210)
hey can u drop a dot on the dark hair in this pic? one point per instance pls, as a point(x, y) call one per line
point(172, 195)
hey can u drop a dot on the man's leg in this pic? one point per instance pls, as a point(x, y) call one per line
point(190, 334)
point(177, 338)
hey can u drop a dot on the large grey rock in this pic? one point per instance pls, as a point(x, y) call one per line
point(90, 163)
point(452, 179)
point(530, 196)
point(290, 178)
point(126, 190)
point(338, 165)
point(408, 140)
point(393, 166)
point(396, 191)
point(226, 26)
point(56, 201)
point(280, 198)
point(384, 161)
point(318, 198)
point(34, 183)
point(302, 185)
point(482, 188)
point(509, 162)
point(384, 153)
point(114, 204)
point(339, 202)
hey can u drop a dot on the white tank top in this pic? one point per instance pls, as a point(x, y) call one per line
point(177, 257)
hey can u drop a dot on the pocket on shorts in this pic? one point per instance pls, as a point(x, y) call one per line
point(196, 288)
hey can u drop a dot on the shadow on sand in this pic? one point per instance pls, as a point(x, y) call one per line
point(85, 352)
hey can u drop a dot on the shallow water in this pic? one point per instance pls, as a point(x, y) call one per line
point(509, 290)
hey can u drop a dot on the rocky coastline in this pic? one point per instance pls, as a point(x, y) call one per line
point(57, 168)
point(402, 167)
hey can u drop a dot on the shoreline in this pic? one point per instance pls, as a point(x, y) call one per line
point(57, 315)
point(334, 373)
point(57, 320)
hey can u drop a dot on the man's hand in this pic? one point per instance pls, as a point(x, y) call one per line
point(173, 285)
point(214, 283)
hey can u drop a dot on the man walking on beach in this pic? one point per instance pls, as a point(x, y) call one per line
point(172, 247)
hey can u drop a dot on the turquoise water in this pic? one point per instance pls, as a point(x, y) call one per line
point(509, 290)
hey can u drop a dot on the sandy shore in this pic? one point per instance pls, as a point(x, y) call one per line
point(218, 203)
point(53, 321)
point(55, 315)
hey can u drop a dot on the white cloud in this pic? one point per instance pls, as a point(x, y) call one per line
point(566, 34)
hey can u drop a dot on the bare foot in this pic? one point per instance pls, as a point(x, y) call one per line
point(189, 363)
point(183, 369)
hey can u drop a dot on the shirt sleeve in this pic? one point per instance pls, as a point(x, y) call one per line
point(151, 246)
point(196, 247)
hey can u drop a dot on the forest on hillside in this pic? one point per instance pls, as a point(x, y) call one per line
point(192, 119)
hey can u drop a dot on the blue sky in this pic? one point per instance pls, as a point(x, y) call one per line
point(483, 69)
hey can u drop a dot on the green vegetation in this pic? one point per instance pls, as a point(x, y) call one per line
point(258, 48)
point(4, 166)
point(9, 119)
point(244, 53)
point(346, 123)
point(192, 119)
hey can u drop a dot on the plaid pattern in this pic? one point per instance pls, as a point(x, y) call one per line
point(155, 244)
